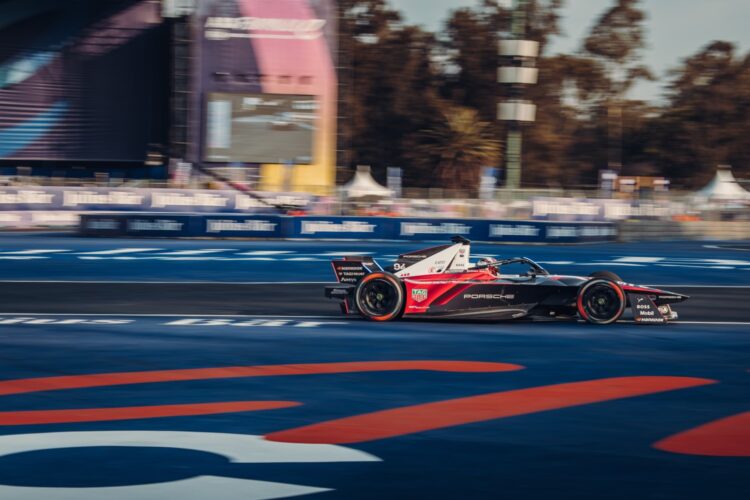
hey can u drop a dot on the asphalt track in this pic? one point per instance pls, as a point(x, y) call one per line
point(186, 373)
point(706, 303)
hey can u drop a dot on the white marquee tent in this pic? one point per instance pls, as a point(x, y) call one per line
point(723, 187)
point(363, 185)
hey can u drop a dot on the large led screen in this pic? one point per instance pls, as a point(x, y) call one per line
point(260, 128)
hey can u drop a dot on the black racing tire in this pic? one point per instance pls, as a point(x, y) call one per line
point(606, 275)
point(601, 301)
point(380, 296)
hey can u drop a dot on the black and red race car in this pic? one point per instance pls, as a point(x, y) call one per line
point(441, 282)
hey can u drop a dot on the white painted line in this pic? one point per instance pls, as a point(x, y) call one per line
point(690, 266)
point(139, 282)
point(130, 282)
point(266, 252)
point(281, 316)
point(740, 323)
point(338, 254)
point(728, 262)
point(700, 286)
point(558, 262)
point(608, 263)
point(34, 251)
point(725, 247)
point(118, 251)
point(639, 260)
point(204, 251)
point(22, 257)
point(303, 259)
point(274, 316)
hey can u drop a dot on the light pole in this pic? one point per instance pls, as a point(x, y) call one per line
point(517, 69)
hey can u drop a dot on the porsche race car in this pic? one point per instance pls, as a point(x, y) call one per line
point(442, 282)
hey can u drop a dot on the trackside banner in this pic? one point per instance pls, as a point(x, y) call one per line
point(141, 200)
point(342, 228)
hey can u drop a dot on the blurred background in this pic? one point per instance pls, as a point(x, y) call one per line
point(621, 111)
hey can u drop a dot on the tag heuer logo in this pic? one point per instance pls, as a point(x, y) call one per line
point(419, 294)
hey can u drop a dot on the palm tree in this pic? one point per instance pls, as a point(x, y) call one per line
point(460, 145)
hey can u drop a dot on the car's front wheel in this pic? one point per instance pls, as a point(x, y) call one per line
point(601, 301)
point(380, 297)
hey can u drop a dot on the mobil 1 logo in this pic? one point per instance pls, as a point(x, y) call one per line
point(644, 310)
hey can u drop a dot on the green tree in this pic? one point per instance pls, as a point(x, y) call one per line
point(706, 121)
point(388, 84)
point(616, 41)
point(458, 147)
point(469, 43)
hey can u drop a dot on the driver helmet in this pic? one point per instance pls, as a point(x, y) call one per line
point(490, 263)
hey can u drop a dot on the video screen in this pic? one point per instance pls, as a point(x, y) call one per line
point(260, 128)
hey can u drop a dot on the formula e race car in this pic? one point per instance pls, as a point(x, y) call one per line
point(441, 282)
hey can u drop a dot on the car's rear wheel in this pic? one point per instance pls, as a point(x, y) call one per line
point(601, 301)
point(607, 275)
point(380, 297)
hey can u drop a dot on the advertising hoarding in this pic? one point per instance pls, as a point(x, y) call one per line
point(82, 81)
point(279, 50)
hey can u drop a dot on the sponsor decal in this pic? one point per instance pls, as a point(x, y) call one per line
point(30, 320)
point(103, 224)
point(155, 225)
point(562, 232)
point(580, 231)
point(486, 296)
point(414, 228)
point(223, 28)
point(10, 217)
point(54, 217)
point(419, 294)
point(644, 309)
point(31, 197)
point(244, 202)
point(172, 199)
point(544, 207)
point(259, 322)
point(76, 198)
point(229, 225)
point(500, 230)
point(202, 322)
point(347, 226)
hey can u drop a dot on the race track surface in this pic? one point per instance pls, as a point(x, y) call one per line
point(135, 369)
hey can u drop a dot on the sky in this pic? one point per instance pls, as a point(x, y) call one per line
point(675, 29)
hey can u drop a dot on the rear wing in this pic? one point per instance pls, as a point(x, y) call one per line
point(351, 269)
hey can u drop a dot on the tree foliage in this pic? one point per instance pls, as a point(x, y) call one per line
point(457, 147)
point(427, 101)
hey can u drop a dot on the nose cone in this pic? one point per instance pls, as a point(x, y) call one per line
point(667, 297)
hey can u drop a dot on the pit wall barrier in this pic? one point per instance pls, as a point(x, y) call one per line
point(340, 228)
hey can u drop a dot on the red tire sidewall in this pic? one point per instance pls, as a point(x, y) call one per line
point(395, 282)
point(611, 284)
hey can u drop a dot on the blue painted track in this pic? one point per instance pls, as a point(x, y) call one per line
point(595, 451)
point(74, 258)
point(592, 450)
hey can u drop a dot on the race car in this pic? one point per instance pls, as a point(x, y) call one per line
point(442, 282)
